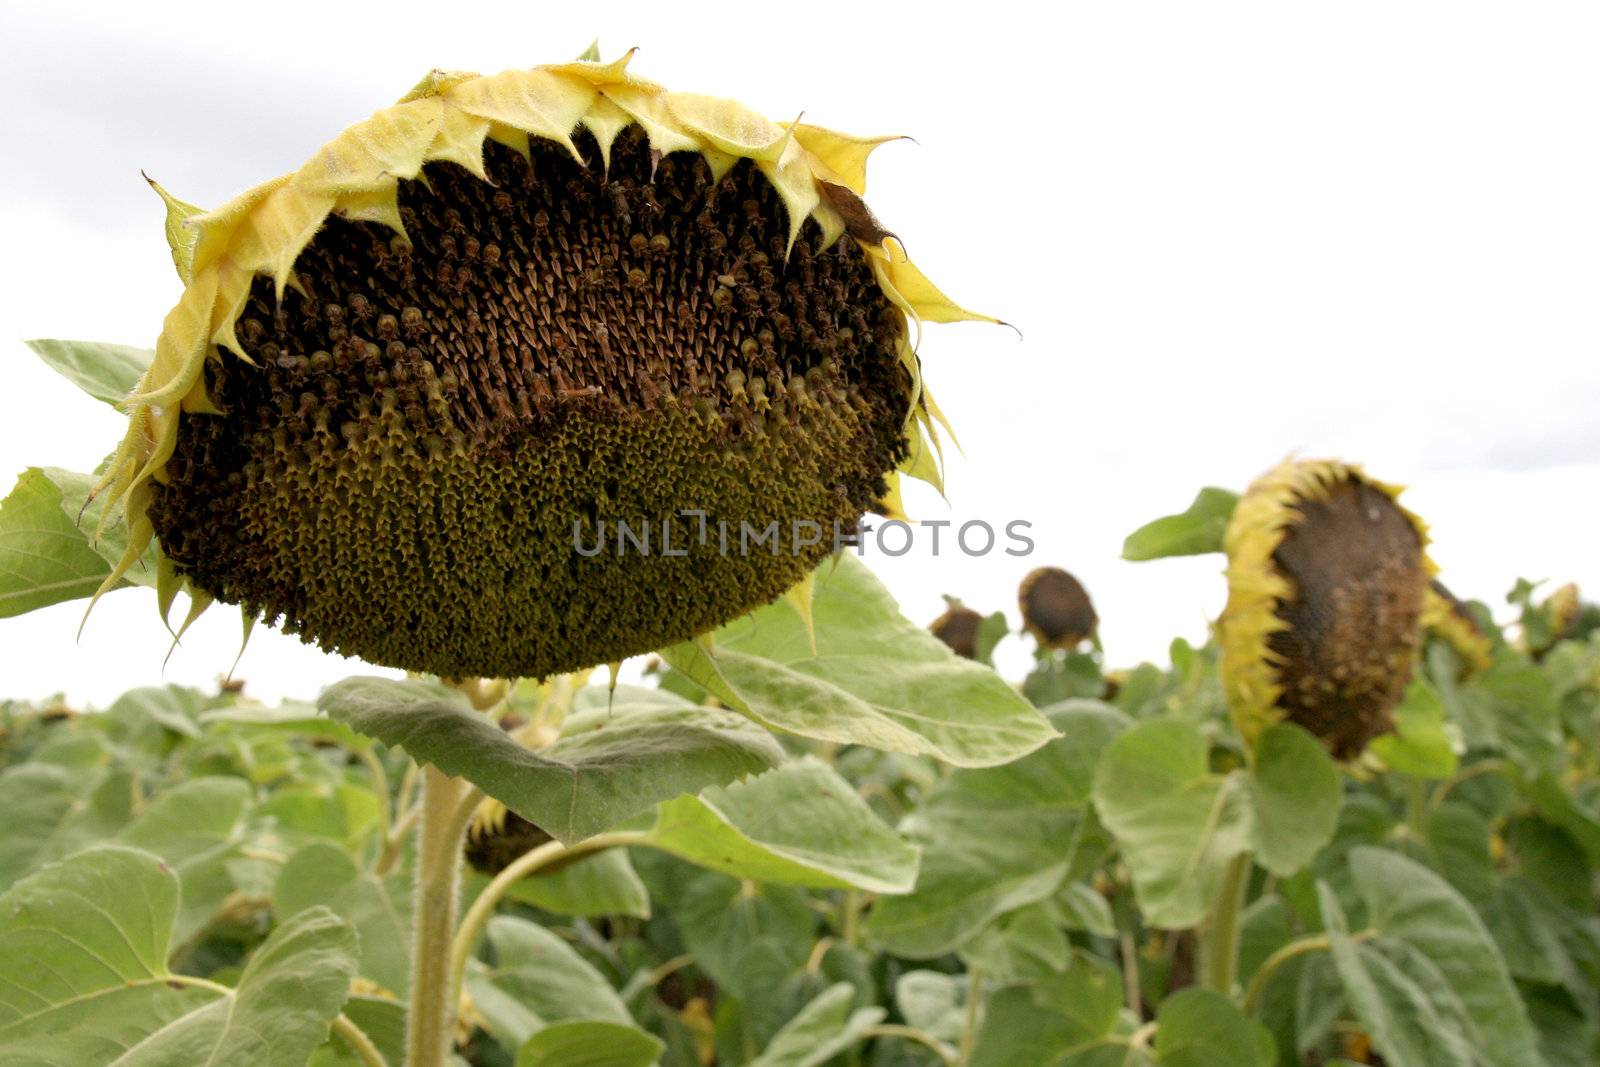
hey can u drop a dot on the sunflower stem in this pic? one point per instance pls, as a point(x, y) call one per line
point(1219, 938)
point(430, 1022)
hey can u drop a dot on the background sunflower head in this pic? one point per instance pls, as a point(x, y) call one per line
point(1327, 575)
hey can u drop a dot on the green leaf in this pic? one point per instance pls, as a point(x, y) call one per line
point(872, 677)
point(1420, 745)
point(104, 921)
point(51, 811)
point(1059, 1022)
point(45, 557)
point(602, 884)
point(1022, 946)
point(1399, 1012)
point(575, 788)
point(290, 719)
point(1177, 823)
point(106, 372)
point(379, 911)
point(1409, 904)
point(169, 707)
point(1190, 533)
point(196, 829)
point(823, 1029)
point(1295, 792)
point(742, 933)
point(800, 824)
point(537, 981)
point(1202, 1028)
point(932, 1002)
point(999, 838)
point(586, 1043)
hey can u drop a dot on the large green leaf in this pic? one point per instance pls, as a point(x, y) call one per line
point(1193, 532)
point(536, 981)
point(44, 557)
point(1066, 1019)
point(998, 838)
point(1295, 793)
point(1410, 905)
point(589, 1043)
point(602, 884)
point(51, 811)
point(379, 910)
point(872, 677)
point(577, 787)
point(1202, 1028)
point(105, 371)
point(196, 828)
point(1409, 1017)
point(823, 1029)
point(799, 824)
point(103, 923)
point(1179, 824)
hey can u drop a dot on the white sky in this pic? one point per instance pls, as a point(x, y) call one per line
point(1228, 231)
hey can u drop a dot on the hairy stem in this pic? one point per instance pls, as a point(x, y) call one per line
point(531, 862)
point(1219, 940)
point(359, 1043)
point(969, 1025)
point(430, 1022)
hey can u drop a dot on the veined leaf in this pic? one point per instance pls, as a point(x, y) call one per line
point(105, 371)
point(104, 921)
point(872, 677)
point(577, 787)
point(1192, 532)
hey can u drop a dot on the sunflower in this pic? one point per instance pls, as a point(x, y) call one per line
point(1326, 582)
point(1447, 618)
point(484, 386)
point(958, 629)
point(1056, 609)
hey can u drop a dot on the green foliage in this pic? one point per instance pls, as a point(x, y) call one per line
point(834, 845)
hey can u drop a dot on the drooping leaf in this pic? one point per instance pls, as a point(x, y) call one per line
point(575, 788)
point(105, 371)
point(799, 824)
point(1192, 532)
point(823, 1029)
point(104, 922)
point(602, 884)
point(45, 556)
point(872, 677)
point(1410, 905)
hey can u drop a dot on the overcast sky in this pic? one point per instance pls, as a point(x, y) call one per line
point(1228, 232)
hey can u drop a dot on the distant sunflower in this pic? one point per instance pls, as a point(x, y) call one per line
point(1056, 608)
point(1447, 618)
point(1326, 581)
point(405, 381)
point(958, 629)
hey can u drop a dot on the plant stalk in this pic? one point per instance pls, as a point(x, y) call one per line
point(430, 1022)
point(1219, 941)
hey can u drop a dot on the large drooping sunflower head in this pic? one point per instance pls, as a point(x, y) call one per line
point(489, 324)
point(1326, 579)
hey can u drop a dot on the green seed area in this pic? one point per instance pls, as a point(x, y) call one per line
point(400, 474)
point(1355, 561)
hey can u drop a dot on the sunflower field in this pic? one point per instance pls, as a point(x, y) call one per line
point(1359, 825)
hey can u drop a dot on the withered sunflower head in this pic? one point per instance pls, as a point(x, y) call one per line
point(1056, 609)
point(958, 628)
point(1446, 618)
point(1326, 580)
point(405, 381)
